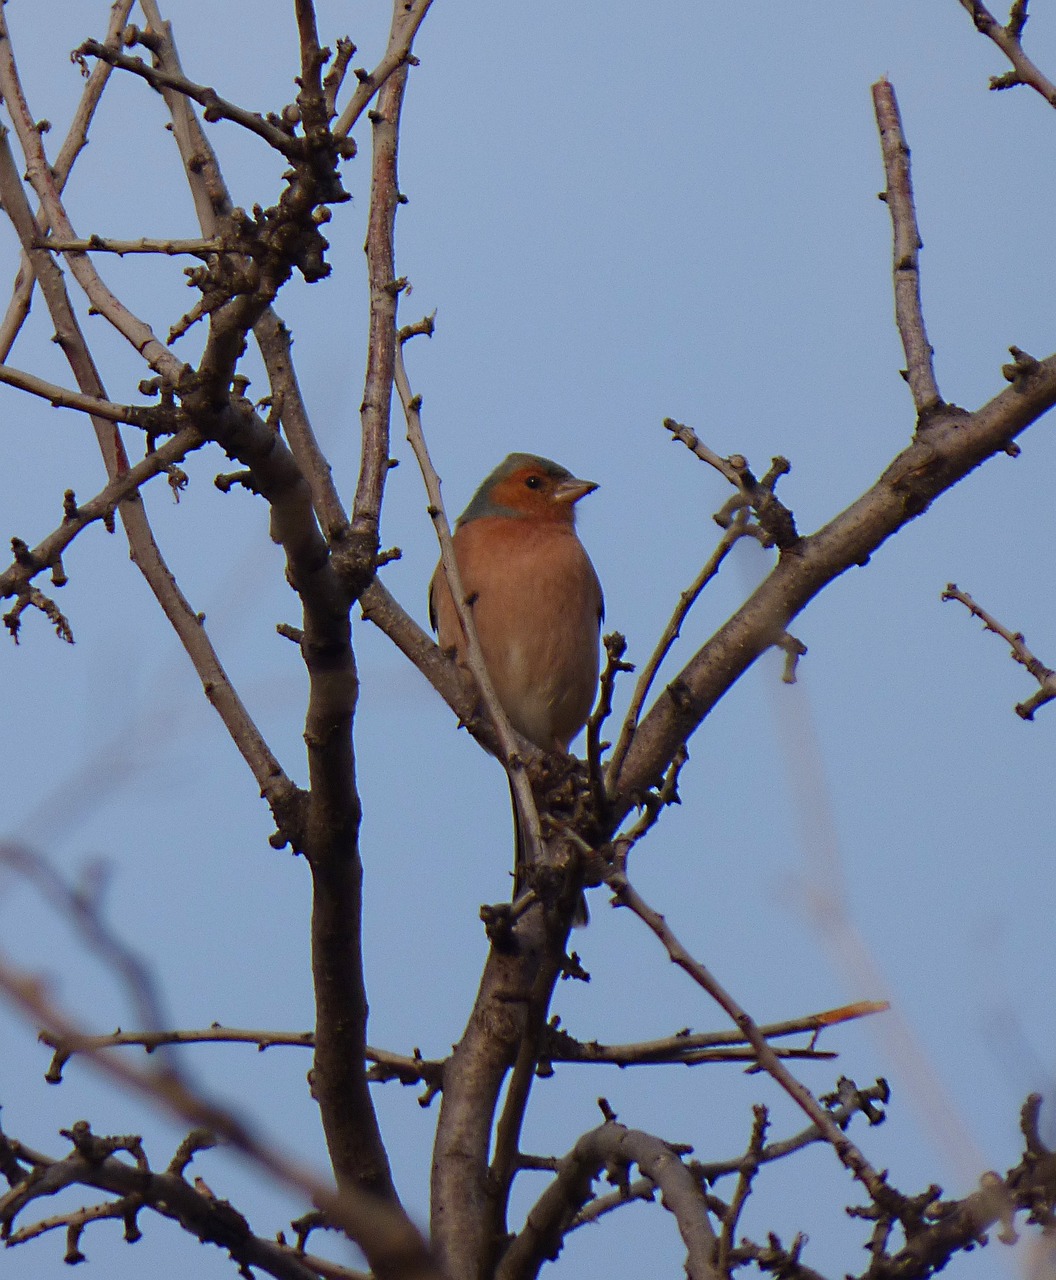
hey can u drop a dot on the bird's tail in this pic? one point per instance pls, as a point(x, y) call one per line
point(580, 916)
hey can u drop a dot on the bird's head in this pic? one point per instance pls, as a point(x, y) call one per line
point(531, 487)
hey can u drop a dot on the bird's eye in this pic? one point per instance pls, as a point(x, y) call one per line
point(534, 482)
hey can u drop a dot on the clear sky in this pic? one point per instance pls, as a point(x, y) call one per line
point(619, 213)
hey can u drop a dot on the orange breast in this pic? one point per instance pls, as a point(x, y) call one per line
point(537, 609)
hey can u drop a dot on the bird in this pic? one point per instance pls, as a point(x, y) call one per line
point(536, 602)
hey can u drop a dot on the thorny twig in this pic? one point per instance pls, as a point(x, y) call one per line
point(407, 1069)
point(1045, 676)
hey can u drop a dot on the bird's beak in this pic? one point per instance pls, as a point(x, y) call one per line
point(572, 490)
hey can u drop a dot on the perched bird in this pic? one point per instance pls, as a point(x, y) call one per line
point(536, 600)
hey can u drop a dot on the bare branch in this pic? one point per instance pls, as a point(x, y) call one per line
point(687, 436)
point(736, 531)
point(413, 1069)
point(388, 615)
point(213, 204)
point(514, 750)
point(846, 1102)
point(310, 100)
point(689, 1048)
point(63, 398)
point(909, 315)
point(40, 174)
point(76, 140)
point(956, 442)
point(102, 244)
point(94, 1163)
point(386, 1235)
point(214, 107)
point(1008, 40)
point(384, 296)
point(408, 16)
point(746, 1172)
point(849, 1154)
point(335, 77)
point(614, 1148)
point(275, 786)
point(1044, 675)
point(615, 647)
point(47, 554)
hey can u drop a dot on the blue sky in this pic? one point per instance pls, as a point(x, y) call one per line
point(619, 214)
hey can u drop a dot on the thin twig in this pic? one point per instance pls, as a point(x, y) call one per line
point(103, 244)
point(850, 1101)
point(684, 1046)
point(335, 77)
point(40, 174)
point(615, 648)
point(407, 1069)
point(513, 751)
point(746, 1172)
point(687, 436)
point(214, 107)
point(93, 1163)
point(909, 314)
point(846, 1102)
point(213, 203)
point(873, 1181)
point(187, 623)
point(384, 298)
point(1008, 40)
point(76, 140)
point(1045, 676)
point(736, 531)
point(381, 1229)
point(407, 18)
point(64, 398)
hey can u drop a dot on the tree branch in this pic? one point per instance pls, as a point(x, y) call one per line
point(953, 445)
point(275, 786)
point(848, 1153)
point(909, 315)
point(213, 205)
point(393, 1246)
point(197, 1211)
point(42, 178)
point(214, 107)
point(689, 1048)
point(384, 296)
point(1044, 675)
point(62, 398)
point(386, 1066)
point(76, 141)
point(408, 16)
point(614, 1148)
point(1008, 40)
